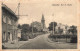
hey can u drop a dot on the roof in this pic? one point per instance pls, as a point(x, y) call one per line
point(9, 10)
point(42, 17)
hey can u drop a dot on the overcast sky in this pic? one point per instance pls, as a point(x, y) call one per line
point(35, 8)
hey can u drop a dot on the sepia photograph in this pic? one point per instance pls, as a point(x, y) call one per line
point(47, 24)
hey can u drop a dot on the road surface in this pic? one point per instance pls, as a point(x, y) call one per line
point(43, 42)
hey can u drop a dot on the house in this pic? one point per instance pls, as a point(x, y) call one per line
point(9, 24)
point(63, 27)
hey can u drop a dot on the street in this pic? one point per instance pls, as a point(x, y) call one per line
point(36, 25)
point(43, 42)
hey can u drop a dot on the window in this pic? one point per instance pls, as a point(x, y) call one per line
point(4, 19)
point(4, 36)
point(9, 21)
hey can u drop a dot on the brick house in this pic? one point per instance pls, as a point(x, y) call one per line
point(9, 24)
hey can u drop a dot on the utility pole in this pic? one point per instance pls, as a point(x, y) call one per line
point(18, 8)
point(18, 17)
point(66, 32)
point(32, 27)
point(53, 26)
point(53, 29)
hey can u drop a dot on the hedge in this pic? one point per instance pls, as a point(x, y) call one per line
point(73, 38)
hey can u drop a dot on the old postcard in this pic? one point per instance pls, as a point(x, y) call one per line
point(40, 25)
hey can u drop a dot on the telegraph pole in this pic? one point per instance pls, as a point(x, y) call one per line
point(53, 26)
point(18, 8)
point(32, 27)
point(18, 14)
point(66, 32)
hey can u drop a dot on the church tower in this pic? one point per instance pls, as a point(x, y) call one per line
point(43, 22)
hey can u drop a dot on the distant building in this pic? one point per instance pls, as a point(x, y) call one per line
point(40, 26)
point(37, 25)
point(43, 24)
point(9, 24)
point(64, 27)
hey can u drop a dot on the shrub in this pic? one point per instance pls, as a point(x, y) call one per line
point(74, 39)
point(30, 36)
point(24, 37)
point(69, 38)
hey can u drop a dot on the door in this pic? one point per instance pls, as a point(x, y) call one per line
point(9, 36)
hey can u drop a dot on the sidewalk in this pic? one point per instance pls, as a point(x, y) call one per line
point(15, 45)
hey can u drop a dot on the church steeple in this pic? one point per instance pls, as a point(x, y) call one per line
point(43, 22)
point(43, 17)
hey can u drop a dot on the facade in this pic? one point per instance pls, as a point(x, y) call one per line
point(9, 24)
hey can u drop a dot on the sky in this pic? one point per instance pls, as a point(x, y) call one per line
point(35, 8)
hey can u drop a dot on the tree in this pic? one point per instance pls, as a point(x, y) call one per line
point(73, 29)
point(51, 26)
point(25, 28)
point(25, 31)
point(34, 29)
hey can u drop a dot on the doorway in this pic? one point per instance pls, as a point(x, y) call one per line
point(9, 36)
